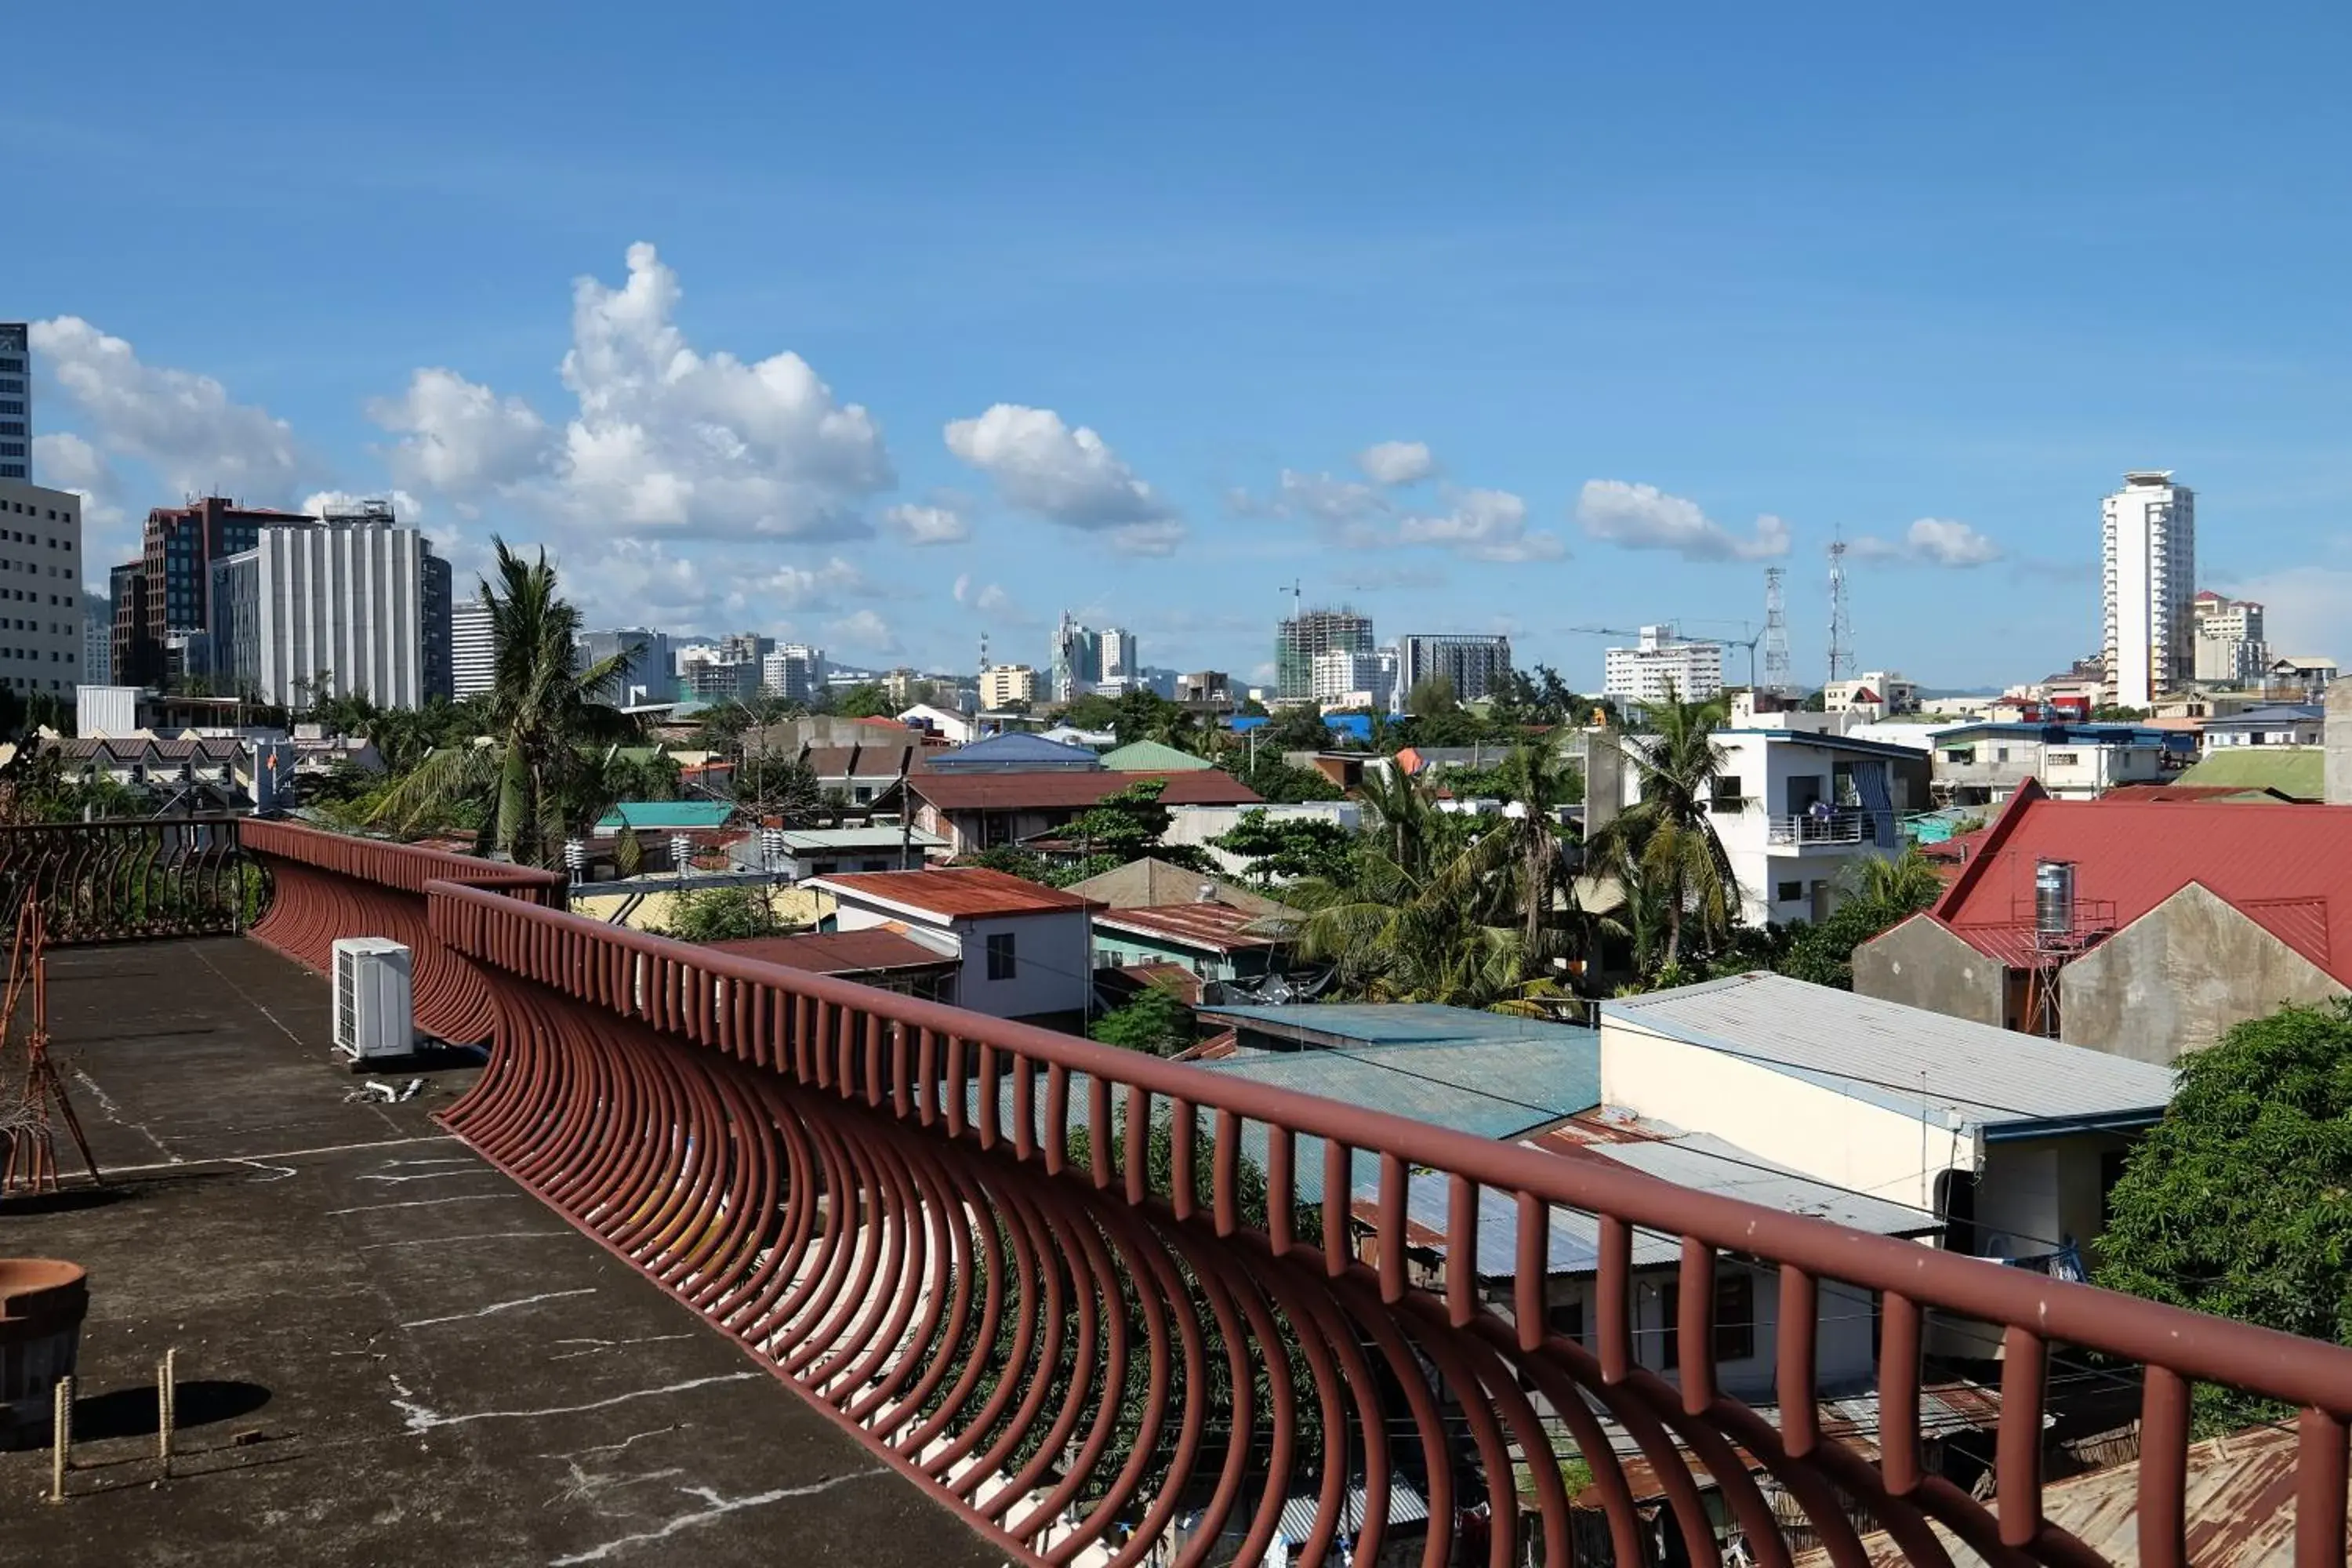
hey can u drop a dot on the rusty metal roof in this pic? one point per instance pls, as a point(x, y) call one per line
point(1218, 928)
point(950, 892)
point(870, 951)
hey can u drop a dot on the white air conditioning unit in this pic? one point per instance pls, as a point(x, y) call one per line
point(372, 1003)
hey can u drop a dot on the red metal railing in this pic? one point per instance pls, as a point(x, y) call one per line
point(126, 881)
point(1071, 1291)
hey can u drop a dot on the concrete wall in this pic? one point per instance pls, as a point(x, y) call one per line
point(1843, 1356)
point(1832, 1137)
point(2177, 977)
point(1921, 964)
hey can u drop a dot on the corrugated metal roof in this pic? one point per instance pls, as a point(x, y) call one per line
point(1406, 1505)
point(2297, 771)
point(949, 891)
point(1149, 882)
point(1070, 790)
point(656, 814)
point(840, 953)
point(1015, 750)
point(1151, 757)
point(1218, 928)
point(1965, 1074)
point(2134, 854)
point(801, 838)
point(1348, 1023)
point(1491, 1087)
point(2240, 1506)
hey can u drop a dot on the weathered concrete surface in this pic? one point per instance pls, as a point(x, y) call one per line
point(2177, 978)
point(1922, 964)
point(389, 1352)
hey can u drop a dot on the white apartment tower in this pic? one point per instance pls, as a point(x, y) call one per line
point(2231, 647)
point(1661, 666)
point(41, 636)
point(795, 672)
point(2148, 539)
point(473, 649)
point(337, 609)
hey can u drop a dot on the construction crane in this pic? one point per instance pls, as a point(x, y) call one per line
point(1756, 634)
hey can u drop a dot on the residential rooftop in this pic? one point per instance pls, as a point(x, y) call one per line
point(1218, 927)
point(1344, 1024)
point(951, 892)
point(655, 815)
point(875, 951)
point(1072, 790)
point(1948, 1072)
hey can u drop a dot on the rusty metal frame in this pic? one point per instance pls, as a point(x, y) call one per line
point(881, 1200)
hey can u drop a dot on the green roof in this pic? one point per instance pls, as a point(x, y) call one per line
point(644, 816)
point(1151, 757)
point(2298, 771)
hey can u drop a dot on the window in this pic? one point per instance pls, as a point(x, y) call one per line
point(2000, 753)
point(1566, 1318)
point(1962, 754)
point(1727, 795)
point(1735, 1317)
point(2062, 759)
point(1787, 892)
point(1000, 956)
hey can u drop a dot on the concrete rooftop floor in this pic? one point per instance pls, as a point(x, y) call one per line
point(388, 1353)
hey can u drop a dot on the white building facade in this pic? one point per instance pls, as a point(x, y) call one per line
point(795, 672)
point(1476, 665)
point(330, 611)
point(1347, 679)
point(473, 649)
point(1002, 685)
point(1660, 666)
point(2148, 547)
point(41, 630)
point(2231, 647)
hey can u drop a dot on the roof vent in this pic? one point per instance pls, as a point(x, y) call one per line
point(1207, 895)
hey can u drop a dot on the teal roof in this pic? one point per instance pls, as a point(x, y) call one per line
point(642, 815)
point(1383, 1024)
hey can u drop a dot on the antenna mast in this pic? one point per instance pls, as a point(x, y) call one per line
point(1779, 677)
point(1842, 656)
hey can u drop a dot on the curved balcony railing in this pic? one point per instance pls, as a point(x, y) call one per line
point(1103, 1304)
point(129, 881)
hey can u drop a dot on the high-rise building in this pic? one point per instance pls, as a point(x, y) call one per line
point(1475, 664)
point(645, 672)
point(96, 640)
point(40, 589)
point(720, 679)
point(1208, 687)
point(1002, 685)
point(795, 672)
point(473, 649)
point(1662, 667)
point(2148, 539)
point(745, 647)
point(1120, 668)
point(1085, 660)
point(332, 609)
point(2231, 647)
point(16, 401)
point(1358, 679)
point(1297, 640)
point(177, 561)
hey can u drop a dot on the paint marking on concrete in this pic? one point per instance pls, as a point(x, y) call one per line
point(714, 1507)
point(114, 1115)
point(269, 1173)
point(614, 1448)
point(497, 1307)
point(425, 1175)
point(598, 1347)
point(175, 1163)
point(421, 1418)
point(425, 1203)
point(474, 1235)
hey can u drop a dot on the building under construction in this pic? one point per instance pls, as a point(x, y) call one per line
point(1307, 633)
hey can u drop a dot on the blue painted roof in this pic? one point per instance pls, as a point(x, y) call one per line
point(2277, 713)
point(1242, 723)
point(1014, 752)
point(1836, 742)
point(1356, 724)
point(1382, 1024)
point(655, 815)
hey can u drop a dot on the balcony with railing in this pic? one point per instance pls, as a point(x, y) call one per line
point(1111, 1309)
point(1845, 825)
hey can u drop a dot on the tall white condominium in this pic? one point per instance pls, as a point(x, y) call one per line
point(16, 401)
point(795, 671)
point(1475, 665)
point(332, 610)
point(2148, 534)
point(1119, 670)
point(473, 649)
point(2230, 649)
point(1660, 666)
point(41, 636)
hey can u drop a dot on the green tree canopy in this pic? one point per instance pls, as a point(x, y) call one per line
point(1155, 1021)
point(869, 701)
point(1287, 848)
point(2237, 1202)
point(723, 914)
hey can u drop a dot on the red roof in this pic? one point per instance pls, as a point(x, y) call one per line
point(1049, 790)
point(839, 953)
point(949, 892)
point(2287, 868)
point(1218, 927)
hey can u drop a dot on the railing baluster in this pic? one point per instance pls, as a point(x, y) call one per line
point(2163, 1469)
point(1281, 1188)
point(2319, 1490)
point(1138, 1144)
point(1612, 1299)
point(1529, 1260)
point(1339, 1198)
point(1695, 1326)
point(825, 1028)
point(1183, 1133)
point(1461, 1250)
point(1058, 1118)
point(1394, 1175)
point(988, 1110)
point(902, 1090)
point(2017, 1450)
point(926, 1076)
point(1797, 1335)
point(1898, 1394)
point(874, 1058)
point(1098, 1130)
point(957, 1063)
point(1224, 1173)
point(1025, 1110)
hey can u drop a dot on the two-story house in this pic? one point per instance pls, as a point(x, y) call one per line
point(1024, 949)
point(1983, 764)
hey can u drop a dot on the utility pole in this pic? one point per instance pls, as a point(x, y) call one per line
point(1842, 656)
point(1777, 675)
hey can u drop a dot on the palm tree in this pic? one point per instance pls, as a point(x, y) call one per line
point(1404, 816)
point(541, 770)
point(1904, 883)
point(1529, 843)
point(1667, 832)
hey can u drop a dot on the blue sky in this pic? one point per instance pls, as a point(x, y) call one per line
point(1637, 303)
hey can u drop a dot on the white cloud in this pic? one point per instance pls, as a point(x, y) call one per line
point(663, 439)
point(1066, 475)
point(405, 507)
point(1642, 517)
point(1396, 462)
point(67, 462)
point(1483, 525)
point(796, 587)
point(865, 629)
point(183, 425)
point(1932, 541)
point(2304, 610)
point(1319, 497)
point(923, 525)
point(989, 599)
point(460, 437)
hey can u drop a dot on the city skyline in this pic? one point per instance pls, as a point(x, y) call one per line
point(1550, 395)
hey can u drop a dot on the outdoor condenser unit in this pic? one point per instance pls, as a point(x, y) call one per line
point(373, 1018)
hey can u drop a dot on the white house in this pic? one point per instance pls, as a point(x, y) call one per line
point(2008, 1141)
point(1025, 949)
point(1792, 809)
point(801, 852)
point(956, 729)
